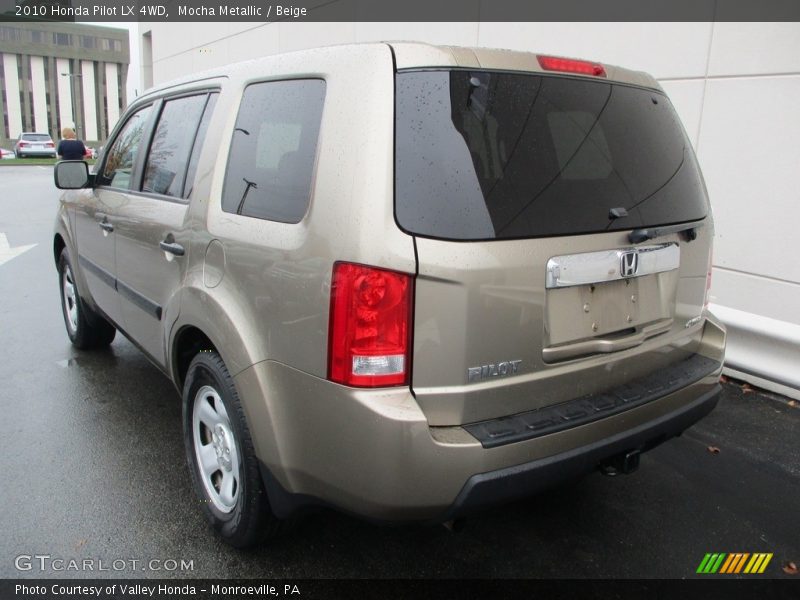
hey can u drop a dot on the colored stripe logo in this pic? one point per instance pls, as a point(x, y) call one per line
point(737, 562)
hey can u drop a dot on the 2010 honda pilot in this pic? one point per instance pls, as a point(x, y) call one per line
point(406, 281)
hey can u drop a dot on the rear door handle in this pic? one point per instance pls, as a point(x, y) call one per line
point(172, 248)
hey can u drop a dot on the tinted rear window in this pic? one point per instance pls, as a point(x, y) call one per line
point(485, 155)
point(36, 137)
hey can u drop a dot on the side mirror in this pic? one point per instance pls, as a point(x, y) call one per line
point(72, 175)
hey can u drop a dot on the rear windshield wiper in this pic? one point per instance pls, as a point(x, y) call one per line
point(637, 236)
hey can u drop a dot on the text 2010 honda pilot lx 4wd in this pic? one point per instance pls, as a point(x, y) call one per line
point(402, 280)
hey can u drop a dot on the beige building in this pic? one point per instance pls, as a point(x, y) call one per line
point(54, 75)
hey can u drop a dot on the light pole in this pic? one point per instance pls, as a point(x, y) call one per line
point(74, 103)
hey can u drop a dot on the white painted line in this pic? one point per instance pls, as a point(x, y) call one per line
point(7, 252)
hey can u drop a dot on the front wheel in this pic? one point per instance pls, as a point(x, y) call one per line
point(222, 460)
point(85, 328)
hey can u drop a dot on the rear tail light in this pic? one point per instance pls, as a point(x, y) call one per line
point(51, 145)
point(23, 144)
point(569, 65)
point(370, 326)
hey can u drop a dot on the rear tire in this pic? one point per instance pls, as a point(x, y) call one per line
point(85, 328)
point(222, 460)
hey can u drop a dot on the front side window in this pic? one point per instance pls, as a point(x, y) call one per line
point(122, 154)
point(273, 150)
point(172, 144)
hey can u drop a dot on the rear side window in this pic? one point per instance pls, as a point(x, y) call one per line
point(172, 143)
point(273, 149)
point(486, 155)
point(122, 154)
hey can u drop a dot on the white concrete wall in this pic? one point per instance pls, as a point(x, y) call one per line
point(39, 96)
point(735, 85)
point(89, 103)
point(65, 94)
point(112, 95)
point(13, 108)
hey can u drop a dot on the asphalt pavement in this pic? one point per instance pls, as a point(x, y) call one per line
point(93, 469)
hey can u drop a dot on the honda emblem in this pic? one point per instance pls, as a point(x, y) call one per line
point(629, 264)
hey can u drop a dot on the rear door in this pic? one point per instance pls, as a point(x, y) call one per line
point(522, 191)
point(152, 228)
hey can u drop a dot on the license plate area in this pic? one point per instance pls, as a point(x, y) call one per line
point(609, 294)
point(602, 309)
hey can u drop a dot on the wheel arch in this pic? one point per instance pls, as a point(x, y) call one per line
point(208, 322)
point(189, 341)
point(58, 246)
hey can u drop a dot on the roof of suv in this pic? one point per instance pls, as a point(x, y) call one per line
point(411, 55)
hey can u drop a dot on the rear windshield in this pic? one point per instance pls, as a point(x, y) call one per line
point(486, 155)
point(36, 137)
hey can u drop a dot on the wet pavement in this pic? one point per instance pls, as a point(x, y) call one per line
point(93, 468)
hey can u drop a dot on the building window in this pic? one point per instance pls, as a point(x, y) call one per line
point(119, 87)
point(9, 34)
point(63, 39)
point(88, 41)
point(5, 105)
point(58, 115)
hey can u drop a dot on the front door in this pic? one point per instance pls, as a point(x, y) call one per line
point(153, 229)
point(96, 217)
point(96, 247)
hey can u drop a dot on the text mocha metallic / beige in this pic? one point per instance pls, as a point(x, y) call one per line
point(402, 280)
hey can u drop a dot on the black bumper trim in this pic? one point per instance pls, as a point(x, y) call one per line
point(586, 409)
point(512, 483)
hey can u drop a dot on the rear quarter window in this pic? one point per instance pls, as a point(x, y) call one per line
point(488, 155)
point(36, 137)
point(273, 149)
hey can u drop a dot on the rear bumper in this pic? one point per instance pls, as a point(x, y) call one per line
point(37, 152)
point(519, 481)
point(372, 452)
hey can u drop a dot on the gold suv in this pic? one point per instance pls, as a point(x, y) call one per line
point(402, 280)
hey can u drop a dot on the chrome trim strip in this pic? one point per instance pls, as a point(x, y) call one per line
point(598, 267)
